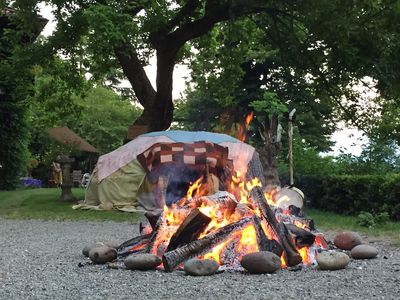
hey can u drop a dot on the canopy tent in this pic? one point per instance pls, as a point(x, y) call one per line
point(66, 136)
point(119, 181)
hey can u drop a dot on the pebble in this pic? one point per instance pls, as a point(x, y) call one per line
point(143, 261)
point(261, 262)
point(364, 252)
point(347, 240)
point(200, 267)
point(329, 260)
point(102, 254)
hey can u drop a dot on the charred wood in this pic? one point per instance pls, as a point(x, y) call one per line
point(155, 233)
point(292, 257)
point(264, 243)
point(135, 245)
point(302, 237)
point(189, 230)
point(173, 258)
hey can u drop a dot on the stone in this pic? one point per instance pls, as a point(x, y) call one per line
point(143, 261)
point(364, 252)
point(87, 248)
point(200, 267)
point(347, 240)
point(113, 244)
point(261, 262)
point(102, 254)
point(332, 260)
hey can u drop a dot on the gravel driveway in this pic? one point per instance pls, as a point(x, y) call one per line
point(39, 260)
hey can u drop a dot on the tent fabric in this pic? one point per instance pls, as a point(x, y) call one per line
point(119, 191)
point(241, 153)
point(120, 182)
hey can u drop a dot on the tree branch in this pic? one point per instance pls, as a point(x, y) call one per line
point(134, 71)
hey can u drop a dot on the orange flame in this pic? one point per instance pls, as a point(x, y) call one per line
point(241, 135)
point(243, 241)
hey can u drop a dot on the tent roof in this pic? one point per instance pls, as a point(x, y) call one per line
point(181, 136)
point(65, 135)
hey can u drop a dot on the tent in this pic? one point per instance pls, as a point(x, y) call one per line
point(119, 180)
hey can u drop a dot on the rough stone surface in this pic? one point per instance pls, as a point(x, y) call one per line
point(113, 244)
point(347, 240)
point(332, 260)
point(261, 262)
point(102, 254)
point(364, 252)
point(87, 248)
point(43, 260)
point(144, 261)
point(200, 267)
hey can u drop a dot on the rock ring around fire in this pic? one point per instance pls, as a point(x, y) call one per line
point(200, 267)
point(347, 240)
point(102, 254)
point(142, 262)
point(332, 260)
point(261, 262)
point(364, 252)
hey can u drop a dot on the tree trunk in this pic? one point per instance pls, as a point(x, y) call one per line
point(269, 154)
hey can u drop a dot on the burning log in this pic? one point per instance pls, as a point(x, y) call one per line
point(302, 237)
point(292, 257)
point(155, 233)
point(189, 230)
point(136, 245)
point(265, 244)
point(173, 258)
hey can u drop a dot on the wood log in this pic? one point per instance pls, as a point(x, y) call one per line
point(292, 257)
point(155, 233)
point(189, 230)
point(137, 244)
point(264, 243)
point(198, 247)
point(302, 237)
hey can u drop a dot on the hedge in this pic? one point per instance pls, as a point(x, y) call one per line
point(350, 195)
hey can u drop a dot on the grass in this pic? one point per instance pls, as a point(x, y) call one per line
point(44, 204)
point(331, 221)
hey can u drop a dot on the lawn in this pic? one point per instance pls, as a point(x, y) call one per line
point(43, 204)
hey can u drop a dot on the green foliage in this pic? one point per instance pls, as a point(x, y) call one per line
point(16, 79)
point(353, 194)
point(366, 219)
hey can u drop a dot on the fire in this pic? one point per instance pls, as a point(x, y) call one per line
point(241, 135)
point(243, 241)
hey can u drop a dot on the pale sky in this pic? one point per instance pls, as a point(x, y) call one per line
point(348, 140)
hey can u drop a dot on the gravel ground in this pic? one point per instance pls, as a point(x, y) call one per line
point(39, 260)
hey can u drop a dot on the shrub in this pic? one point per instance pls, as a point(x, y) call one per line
point(378, 195)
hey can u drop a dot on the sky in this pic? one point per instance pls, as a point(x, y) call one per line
point(347, 140)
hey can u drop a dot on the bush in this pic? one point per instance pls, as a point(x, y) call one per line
point(378, 195)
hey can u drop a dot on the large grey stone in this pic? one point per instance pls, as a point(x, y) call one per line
point(330, 260)
point(102, 254)
point(200, 267)
point(347, 240)
point(87, 248)
point(261, 262)
point(364, 252)
point(143, 261)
